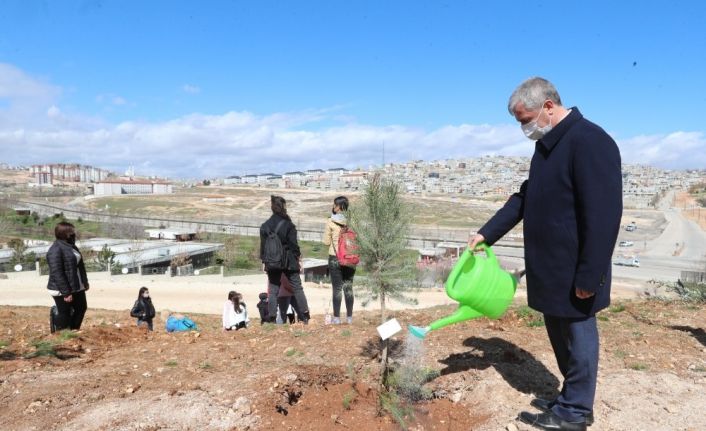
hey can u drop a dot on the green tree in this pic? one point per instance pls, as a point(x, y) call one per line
point(105, 258)
point(382, 221)
point(18, 247)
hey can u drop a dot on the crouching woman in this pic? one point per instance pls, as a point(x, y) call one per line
point(143, 309)
point(235, 314)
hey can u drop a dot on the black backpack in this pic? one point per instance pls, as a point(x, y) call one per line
point(274, 254)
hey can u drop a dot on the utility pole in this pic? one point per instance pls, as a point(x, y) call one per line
point(383, 155)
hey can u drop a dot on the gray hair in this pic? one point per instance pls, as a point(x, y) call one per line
point(533, 93)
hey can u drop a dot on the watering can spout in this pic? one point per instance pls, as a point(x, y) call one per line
point(418, 331)
point(464, 312)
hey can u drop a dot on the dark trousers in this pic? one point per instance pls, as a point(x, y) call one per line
point(342, 285)
point(274, 278)
point(241, 325)
point(147, 322)
point(575, 344)
point(70, 314)
point(283, 302)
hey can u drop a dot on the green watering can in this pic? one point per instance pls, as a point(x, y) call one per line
point(480, 286)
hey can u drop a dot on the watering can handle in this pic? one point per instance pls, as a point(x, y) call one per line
point(488, 252)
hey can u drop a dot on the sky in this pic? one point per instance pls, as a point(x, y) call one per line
point(191, 89)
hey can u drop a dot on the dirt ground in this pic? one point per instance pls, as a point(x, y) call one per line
point(113, 375)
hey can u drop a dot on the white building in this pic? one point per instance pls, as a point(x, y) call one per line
point(48, 173)
point(248, 179)
point(232, 180)
point(131, 187)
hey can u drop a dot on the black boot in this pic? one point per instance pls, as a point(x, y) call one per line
point(305, 318)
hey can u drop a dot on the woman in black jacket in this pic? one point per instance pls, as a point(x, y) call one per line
point(281, 225)
point(143, 309)
point(68, 282)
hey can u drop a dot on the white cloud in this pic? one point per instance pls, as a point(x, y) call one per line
point(53, 111)
point(23, 97)
point(34, 129)
point(677, 150)
point(191, 89)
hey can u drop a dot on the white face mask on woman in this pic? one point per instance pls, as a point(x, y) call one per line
point(533, 131)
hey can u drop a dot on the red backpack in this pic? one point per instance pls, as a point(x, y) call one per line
point(347, 251)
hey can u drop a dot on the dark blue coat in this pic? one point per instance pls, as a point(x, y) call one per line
point(571, 206)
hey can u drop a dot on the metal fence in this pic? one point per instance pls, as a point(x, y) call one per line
point(14, 267)
point(419, 237)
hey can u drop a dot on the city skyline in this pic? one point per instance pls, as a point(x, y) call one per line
point(184, 90)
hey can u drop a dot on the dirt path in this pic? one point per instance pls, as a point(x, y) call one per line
point(113, 375)
point(198, 294)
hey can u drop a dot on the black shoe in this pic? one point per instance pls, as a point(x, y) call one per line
point(305, 318)
point(550, 421)
point(546, 406)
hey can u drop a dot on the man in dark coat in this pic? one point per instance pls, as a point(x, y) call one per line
point(571, 206)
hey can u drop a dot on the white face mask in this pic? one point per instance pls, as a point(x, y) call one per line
point(534, 132)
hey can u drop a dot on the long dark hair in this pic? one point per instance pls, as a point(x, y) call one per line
point(341, 202)
point(142, 290)
point(279, 206)
point(234, 297)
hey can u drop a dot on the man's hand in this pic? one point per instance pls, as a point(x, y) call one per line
point(68, 298)
point(474, 240)
point(583, 294)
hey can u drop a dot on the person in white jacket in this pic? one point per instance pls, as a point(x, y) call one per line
point(235, 313)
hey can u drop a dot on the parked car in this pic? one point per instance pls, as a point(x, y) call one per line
point(625, 244)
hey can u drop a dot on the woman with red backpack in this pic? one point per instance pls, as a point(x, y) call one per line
point(341, 275)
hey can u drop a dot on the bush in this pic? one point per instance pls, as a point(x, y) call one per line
point(688, 291)
point(244, 262)
point(116, 268)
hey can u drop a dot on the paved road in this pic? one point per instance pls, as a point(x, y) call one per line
point(657, 261)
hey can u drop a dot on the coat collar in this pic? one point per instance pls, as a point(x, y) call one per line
point(65, 243)
point(554, 136)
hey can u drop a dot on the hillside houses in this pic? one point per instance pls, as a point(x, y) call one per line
point(483, 177)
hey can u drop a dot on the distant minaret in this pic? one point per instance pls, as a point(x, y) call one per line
point(383, 154)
